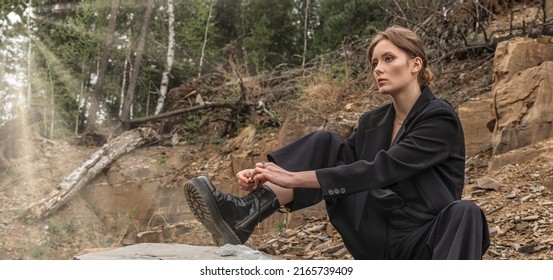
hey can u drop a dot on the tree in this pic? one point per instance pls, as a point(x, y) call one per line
point(227, 21)
point(96, 95)
point(305, 33)
point(64, 45)
point(129, 97)
point(205, 37)
point(345, 19)
point(29, 53)
point(170, 58)
point(275, 36)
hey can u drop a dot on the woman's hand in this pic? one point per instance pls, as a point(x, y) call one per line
point(270, 172)
point(251, 179)
point(245, 180)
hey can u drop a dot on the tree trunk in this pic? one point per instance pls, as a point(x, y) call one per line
point(53, 114)
point(170, 57)
point(29, 55)
point(124, 82)
point(305, 33)
point(96, 96)
point(205, 38)
point(97, 162)
point(129, 97)
point(79, 98)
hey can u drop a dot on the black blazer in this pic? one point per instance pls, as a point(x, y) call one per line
point(414, 178)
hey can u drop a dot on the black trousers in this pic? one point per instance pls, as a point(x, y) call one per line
point(459, 231)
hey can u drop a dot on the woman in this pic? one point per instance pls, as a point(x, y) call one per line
point(392, 190)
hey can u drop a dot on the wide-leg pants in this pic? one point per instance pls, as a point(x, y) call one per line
point(459, 231)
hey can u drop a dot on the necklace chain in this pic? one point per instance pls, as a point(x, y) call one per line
point(398, 122)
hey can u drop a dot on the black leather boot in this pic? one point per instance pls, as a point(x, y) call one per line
point(228, 218)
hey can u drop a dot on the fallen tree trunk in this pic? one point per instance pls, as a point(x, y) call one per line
point(101, 159)
point(142, 120)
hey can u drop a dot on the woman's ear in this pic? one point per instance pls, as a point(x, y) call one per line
point(417, 64)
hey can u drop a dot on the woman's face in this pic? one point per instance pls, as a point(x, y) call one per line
point(393, 70)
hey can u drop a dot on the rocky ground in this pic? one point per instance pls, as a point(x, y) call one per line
point(517, 199)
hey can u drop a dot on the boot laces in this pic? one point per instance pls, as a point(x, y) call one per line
point(252, 198)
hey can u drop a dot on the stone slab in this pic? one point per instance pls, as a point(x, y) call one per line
point(164, 251)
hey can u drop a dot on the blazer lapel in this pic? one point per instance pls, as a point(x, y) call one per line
point(377, 137)
point(425, 97)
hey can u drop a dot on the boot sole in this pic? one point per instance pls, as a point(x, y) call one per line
point(204, 207)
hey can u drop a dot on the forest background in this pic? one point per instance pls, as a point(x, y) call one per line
point(75, 59)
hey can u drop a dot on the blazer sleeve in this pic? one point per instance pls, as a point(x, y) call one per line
point(427, 142)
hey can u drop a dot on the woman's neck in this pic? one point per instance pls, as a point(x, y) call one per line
point(405, 100)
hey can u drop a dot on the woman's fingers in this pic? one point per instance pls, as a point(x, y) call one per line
point(245, 179)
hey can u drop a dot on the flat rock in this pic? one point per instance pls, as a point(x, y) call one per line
point(163, 251)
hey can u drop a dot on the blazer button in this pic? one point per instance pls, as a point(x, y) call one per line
point(336, 191)
point(343, 190)
point(331, 192)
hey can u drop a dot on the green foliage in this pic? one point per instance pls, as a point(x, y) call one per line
point(161, 159)
point(67, 40)
point(54, 226)
point(190, 32)
point(259, 44)
point(216, 139)
point(70, 226)
point(344, 20)
point(37, 252)
point(41, 250)
point(21, 213)
point(280, 224)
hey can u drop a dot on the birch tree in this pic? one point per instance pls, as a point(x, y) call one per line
point(29, 53)
point(305, 33)
point(170, 58)
point(124, 82)
point(205, 37)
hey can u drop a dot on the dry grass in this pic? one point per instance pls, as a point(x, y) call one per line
point(321, 95)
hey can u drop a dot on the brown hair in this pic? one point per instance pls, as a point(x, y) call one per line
point(410, 43)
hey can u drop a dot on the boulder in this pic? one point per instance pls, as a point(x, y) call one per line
point(474, 116)
point(522, 93)
point(523, 109)
point(519, 54)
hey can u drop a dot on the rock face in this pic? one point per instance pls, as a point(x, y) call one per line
point(138, 189)
point(295, 128)
point(522, 93)
point(521, 155)
point(474, 116)
point(161, 251)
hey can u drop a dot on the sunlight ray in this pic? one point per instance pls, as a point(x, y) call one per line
point(55, 65)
